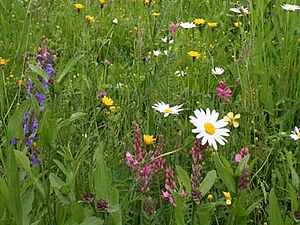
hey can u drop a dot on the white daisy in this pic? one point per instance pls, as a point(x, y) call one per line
point(166, 52)
point(290, 7)
point(167, 40)
point(156, 53)
point(209, 128)
point(179, 73)
point(239, 10)
point(166, 109)
point(295, 134)
point(217, 71)
point(115, 21)
point(187, 25)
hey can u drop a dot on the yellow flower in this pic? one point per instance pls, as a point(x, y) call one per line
point(78, 6)
point(210, 197)
point(106, 101)
point(90, 19)
point(149, 139)
point(146, 2)
point(228, 197)
point(113, 109)
point(238, 24)
point(194, 54)
point(231, 119)
point(102, 2)
point(3, 61)
point(199, 22)
point(212, 25)
point(155, 14)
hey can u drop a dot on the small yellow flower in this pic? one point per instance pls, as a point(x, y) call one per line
point(146, 2)
point(106, 101)
point(113, 109)
point(194, 54)
point(102, 2)
point(149, 139)
point(228, 197)
point(78, 6)
point(238, 24)
point(210, 197)
point(90, 19)
point(20, 83)
point(3, 61)
point(155, 14)
point(199, 22)
point(212, 25)
point(231, 119)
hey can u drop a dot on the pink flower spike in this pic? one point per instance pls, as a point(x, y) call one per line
point(244, 151)
point(238, 158)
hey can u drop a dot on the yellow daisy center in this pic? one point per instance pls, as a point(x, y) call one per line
point(168, 110)
point(209, 128)
point(298, 135)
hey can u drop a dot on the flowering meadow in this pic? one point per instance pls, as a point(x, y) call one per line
point(149, 112)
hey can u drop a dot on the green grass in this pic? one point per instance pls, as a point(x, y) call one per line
point(82, 144)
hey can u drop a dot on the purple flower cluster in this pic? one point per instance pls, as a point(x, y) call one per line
point(169, 185)
point(143, 163)
point(223, 91)
point(197, 157)
point(30, 126)
point(44, 60)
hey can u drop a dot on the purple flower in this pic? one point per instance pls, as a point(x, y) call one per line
point(40, 98)
point(39, 57)
point(29, 88)
point(49, 69)
point(14, 141)
point(35, 159)
point(29, 141)
point(44, 83)
point(34, 125)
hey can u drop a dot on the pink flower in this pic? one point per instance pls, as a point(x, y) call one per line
point(173, 28)
point(238, 158)
point(223, 91)
point(167, 195)
point(244, 152)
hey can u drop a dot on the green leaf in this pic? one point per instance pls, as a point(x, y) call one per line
point(179, 209)
point(208, 182)
point(274, 212)
point(61, 77)
point(92, 221)
point(184, 178)
point(27, 201)
point(74, 116)
point(114, 200)
point(39, 71)
point(102, 179)
point(47, 130)
point(14, 187)
point(55, 181)
point(15, 121)
point(77, 211)
point(23, 161)
point(225, 174)
point(293, 197)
